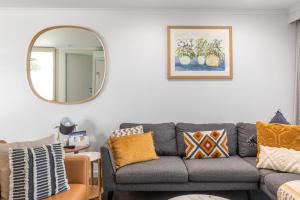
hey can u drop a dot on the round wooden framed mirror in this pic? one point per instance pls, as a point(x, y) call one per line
point(66, 64)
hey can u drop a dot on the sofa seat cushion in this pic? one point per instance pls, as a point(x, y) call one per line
point(233, 169)
point(76, 192)
point(167, 169)
point(262, 172)
point(275, 180)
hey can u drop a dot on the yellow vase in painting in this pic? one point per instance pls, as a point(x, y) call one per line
point(212, 61)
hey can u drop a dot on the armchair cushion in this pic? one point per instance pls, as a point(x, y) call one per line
point(76, 192)
point(77, 168)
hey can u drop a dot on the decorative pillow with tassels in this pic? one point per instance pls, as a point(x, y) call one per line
point(281, 159)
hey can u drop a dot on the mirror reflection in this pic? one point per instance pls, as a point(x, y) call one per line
point(67, 65)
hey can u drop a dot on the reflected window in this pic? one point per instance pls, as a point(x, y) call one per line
point(42, 67)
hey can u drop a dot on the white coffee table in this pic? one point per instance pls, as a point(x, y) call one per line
point(198, 197)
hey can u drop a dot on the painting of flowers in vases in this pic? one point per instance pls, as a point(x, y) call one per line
point(200, 52)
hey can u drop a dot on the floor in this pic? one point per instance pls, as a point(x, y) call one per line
point(231, 195)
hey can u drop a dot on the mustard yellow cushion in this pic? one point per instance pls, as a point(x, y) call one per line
point(278, 135)
point(132, 149)
point(125, 132)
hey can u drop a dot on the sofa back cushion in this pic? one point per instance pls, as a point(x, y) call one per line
point(245, 132)
point(164, 136)
point(188, 127)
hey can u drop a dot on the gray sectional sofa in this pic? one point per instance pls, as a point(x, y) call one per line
point(173, 173)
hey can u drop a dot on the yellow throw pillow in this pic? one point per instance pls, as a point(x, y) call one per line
point(125, 132)
point(132, 149)
point(278, 135)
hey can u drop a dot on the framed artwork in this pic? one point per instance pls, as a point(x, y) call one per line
point(199, 52)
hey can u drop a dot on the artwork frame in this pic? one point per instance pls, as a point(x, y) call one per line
point(207, 54)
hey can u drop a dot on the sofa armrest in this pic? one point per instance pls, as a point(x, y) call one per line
point(77, 169)
point(108, 168)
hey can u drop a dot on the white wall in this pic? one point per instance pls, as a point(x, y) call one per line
point(137, 89)
point(294, 13)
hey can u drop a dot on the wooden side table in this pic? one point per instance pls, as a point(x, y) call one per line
point(76, 149)
point(94, 190)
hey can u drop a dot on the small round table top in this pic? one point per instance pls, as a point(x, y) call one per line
point(198, 197)
point(76, 149)
point(92, 155)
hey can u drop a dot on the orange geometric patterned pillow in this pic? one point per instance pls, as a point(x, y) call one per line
point(278, 135)
point(206, 144)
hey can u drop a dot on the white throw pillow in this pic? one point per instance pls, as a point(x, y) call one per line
point(127, 131)
point(281, 159)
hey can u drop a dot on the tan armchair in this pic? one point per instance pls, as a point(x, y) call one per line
point(77, 168)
